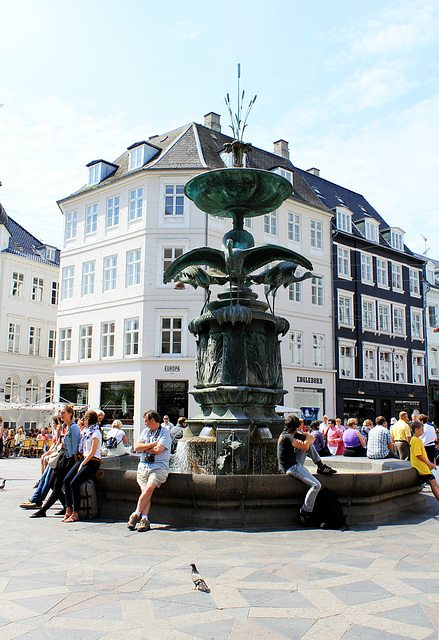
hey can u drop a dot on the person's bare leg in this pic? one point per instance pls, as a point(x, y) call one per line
point(144, 501)
point(434, 488)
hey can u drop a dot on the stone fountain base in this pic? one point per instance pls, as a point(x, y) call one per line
point(260, 501)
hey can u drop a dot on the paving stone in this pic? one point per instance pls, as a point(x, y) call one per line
point(210, 630)
point(357, 632)
point(275, 599)
point(411, 615)
point(316, 573)
point(294, 629)
point(359, 592)
point(46, 633)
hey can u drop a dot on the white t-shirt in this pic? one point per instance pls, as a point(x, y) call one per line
point(429, 435)
point(116, 433)
point(87, 442)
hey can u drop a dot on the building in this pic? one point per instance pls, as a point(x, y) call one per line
point(29, 275)
point(123, 342)
point(378, 310)
point(431, 303)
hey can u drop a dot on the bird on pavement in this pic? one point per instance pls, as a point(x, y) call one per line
point(2, 483)
point(198, 580)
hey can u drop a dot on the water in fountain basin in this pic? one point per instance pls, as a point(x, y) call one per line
point(194, 455)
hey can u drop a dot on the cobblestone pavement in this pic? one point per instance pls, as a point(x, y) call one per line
point(97, 580)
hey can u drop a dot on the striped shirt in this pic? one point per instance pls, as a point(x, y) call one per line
point(377, 442)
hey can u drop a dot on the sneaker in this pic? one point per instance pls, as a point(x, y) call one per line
point(30, 505)
point(305, 517)
point(144, 525)
point(326, 470)
point(132, 521)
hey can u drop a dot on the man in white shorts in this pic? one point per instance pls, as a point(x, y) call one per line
point(154, 444)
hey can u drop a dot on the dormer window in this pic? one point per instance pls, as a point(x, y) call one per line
point(284, 173)
point(397, 239)
point(371, 230)
point(227, 158)
point(344, 220)
point(141, 153)
point(98, 170)
point(50, 254)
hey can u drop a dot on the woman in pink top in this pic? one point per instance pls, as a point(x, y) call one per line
point(334, 439)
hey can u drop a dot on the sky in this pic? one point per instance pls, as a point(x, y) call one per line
point(353, 87)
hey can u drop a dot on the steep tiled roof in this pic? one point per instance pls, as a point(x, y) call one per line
point(23, 243)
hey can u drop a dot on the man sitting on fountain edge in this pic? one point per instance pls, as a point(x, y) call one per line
point(154, 444)
point(292, 449)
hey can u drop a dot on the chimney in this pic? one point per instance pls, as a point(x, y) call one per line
point(314, 171)
point(213, 121)
point(280, 148)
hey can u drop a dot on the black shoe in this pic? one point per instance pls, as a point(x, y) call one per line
point(38, 514)
point(326, 470)
point(60, 513)
point(305, 517)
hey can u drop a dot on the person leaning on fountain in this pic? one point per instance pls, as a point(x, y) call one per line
point(292, 448)
point(154, 445)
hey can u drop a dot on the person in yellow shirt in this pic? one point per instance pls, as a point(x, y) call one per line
point(400, 433)
point(419, 459)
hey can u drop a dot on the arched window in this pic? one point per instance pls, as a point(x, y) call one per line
point(49, 391)
point(31, 391)
point(11, 389)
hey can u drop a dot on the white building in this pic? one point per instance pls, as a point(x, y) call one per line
point(432, 322)
point(123, 342)
point(29, 275)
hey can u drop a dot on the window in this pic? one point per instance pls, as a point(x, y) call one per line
point(343, 262)
point(133, 267)
point(347, 361)
point(65, 344)
point(433, 362)
point(418, 368)
point(344, 220)
point(169, 255)
point(396, 276)
point(136, 204)
point(369, 315)
point(107, 339)
point(296, 348)
point(174, 200)
point(34, 341)
point(371, 231)
point(67, 282)
point(14, 338)
point(295, 292)
point(136, 157)
point(50, 388)
point(399, 361)
point(32, 391)
point(270, 223)
point(285, 174)
point(317, 290)
point(11, 389)
point(110, 273)
point(416, 325)
point(384, 317)
point(171, 335)
point(248, 223)
point(54, 293)
point(433, 316)
point(369, 364)
point(132, 337)
point(385, 360)
point(88, 278)
point(112, 218)
point(294, 227)
point(414, 282)
point(91, 218)
point(71, 225)
point(50, 254)
point(51, 343)
point(399, 321)
point(366, 268)
point(345, 312)
point(37, 289)
point(316, 229)
point(93, 174)
point(85, 341)
point(382, 273)
point(17, 284)
point(318, 350)
point(397, 241)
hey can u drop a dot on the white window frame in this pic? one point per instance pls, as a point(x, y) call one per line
point(135, 204)
point(371, 230)
point(112, 213)
point(366, 268)
point(11, 388)
point(91, 219)
point(131, 337)
point(34, 340)
point(344, 262)
point(346, 358)
point(433, 315)
point(385, 365)
point(397, 239)
point(174, 201)
point(397, 280)
point(415, 289)
point(295, 292)
point(14, 334)
point(94, 174)
point(136, 157)
point(296, 348)
point(88, 278)
point(418, 368)
point(68, 275)
point(168, 255)
point(17, 290)
point(384, 311)
point(433, 362)
point(416, 324)
point(395, 321)
point(294, 227)
point(316, 234)
point(400, 366)
point(71, 225)
point(317, 291)
point(108, 339)
point(54, 294)
point(51, 343)
point(171, 313)
point(109, 273)
point(345, 309)
point(133, 267)
point(318, 350)
point(369, 313)
point(86, 342)
point(65, 344)
point(344, 220)
point(270, 223)
point(37, 289)
point(32, 390)
point(382, 273)
point(370, 371)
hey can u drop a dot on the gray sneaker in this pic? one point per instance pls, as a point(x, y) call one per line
point(144, 525)
point(132, 521)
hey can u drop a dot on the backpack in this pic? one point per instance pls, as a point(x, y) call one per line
point(111, 443)
point(328, 512)
point(88, 505)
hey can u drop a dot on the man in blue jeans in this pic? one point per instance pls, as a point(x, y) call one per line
point(43, 489)
point(292, 448)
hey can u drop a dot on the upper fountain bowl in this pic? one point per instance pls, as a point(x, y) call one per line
point(232, 193)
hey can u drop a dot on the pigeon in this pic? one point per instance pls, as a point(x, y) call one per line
point(198, 580)
point(2, 484)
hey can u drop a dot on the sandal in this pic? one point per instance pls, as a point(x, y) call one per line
point(68, 514)
point(73, 518)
